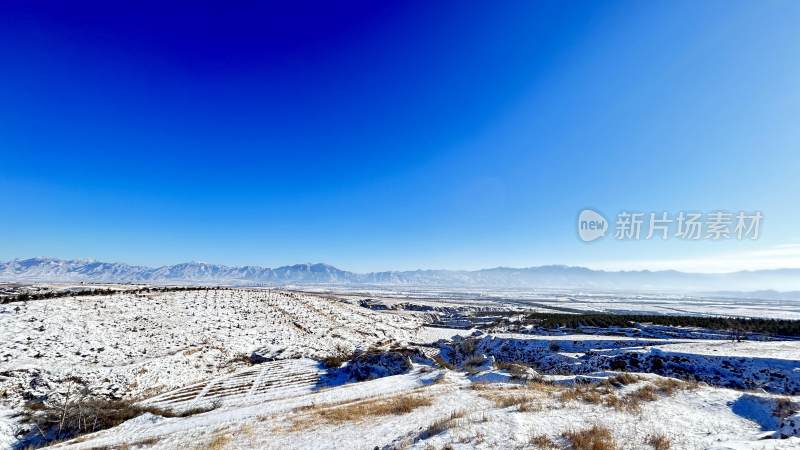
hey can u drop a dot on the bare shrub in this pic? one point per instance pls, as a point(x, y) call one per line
point(76, 413)
point(597, 437)
point(79, 411)
point(473, 363)
point(542, 441)
point(658, 441)
point(468, 346)
point(442, 363)
point(341, 355)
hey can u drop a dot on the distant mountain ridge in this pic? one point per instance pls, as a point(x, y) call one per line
point(552, 276)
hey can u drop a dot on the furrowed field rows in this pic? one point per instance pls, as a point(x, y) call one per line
point(268, 381)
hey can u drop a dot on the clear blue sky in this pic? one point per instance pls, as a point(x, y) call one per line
point(392, 135)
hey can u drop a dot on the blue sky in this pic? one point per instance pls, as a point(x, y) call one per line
point(375, 136)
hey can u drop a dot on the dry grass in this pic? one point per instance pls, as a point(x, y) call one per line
point(658, 441)
point(517, 370)
point(505, 401)
point(530, 407)
point(605, 393)
point(445, 423)
point(543, 387)
point(505, 398)
point(525, 397)
point(585, 393)
point(624, 379)
point(595, 438)
point(442, 363)
point(647, 393)
point(668, 386)
point(350, 412)
point(218, 442)
point(542, 441)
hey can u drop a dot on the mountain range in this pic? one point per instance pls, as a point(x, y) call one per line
point(552, 276)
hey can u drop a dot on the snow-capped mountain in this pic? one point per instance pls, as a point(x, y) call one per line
point(51, 269)
point(57, 270)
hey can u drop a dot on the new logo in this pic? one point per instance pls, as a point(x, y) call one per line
point(591, 225)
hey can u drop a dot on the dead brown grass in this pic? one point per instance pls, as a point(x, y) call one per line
point(503, 398)
point(516, 369)
point(218, 442)
point(624, 379)
point(584, 393)
point(658, 441)
point(597, 437)
point(542, 441)
point(647, 393)
point(530, 407)
point(668, 386)
point(350, 412)
point(442, 363)
point(445, 423)
point(606, 393)
point(543, 387)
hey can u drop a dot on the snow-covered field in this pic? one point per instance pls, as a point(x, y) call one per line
point(253, 356)
point(617, 302)
point(140, 344)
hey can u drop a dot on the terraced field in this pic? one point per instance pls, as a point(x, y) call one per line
point(271, 380)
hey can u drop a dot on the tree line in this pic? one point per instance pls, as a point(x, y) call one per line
point(775, 327)
point(29, 296)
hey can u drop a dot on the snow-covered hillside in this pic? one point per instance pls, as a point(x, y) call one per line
point(136, 344)
point(437, 409)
